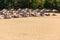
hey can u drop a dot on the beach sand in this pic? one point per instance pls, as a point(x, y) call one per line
point(30, 28)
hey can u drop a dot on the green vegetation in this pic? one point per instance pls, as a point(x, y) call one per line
point(49, 4)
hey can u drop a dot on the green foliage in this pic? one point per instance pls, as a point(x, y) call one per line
point(35, 4)
point(58, 4)
point(49, 4)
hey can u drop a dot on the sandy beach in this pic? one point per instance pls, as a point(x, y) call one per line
point(30, 28)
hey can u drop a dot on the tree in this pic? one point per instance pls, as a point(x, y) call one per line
point(35, 4)
point(49, 4)
point(58, 4)
point(41, 2)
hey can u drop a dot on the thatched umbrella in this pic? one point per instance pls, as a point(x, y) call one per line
point(42, 12)
point(7, 15)
point(33, 13)
point(15, 14)
point(19, 9)
point(54, 12)
point(47, 12)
